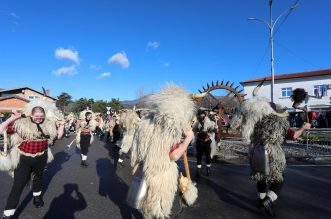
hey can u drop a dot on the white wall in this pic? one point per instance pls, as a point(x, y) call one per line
point(307, 83)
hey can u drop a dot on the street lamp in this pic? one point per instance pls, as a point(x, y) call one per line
point(271, 25)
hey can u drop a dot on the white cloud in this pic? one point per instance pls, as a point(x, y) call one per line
point(120, 59)
point(67, 70)
point(104, 75)
point(95, 67)
point(165, 64)
point(62, 53)
point(153, 45)
point(14, 15)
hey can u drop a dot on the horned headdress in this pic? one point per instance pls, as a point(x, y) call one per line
point(253, 110)
point(264, 123)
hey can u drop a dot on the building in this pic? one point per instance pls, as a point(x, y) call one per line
point(316, 83)
point(16, 98)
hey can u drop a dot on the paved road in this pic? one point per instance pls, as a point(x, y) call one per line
point(99, 190)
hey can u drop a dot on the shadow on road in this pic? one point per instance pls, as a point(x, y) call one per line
point(113, 152)
point(65, 205)
point(114, 188)
point(50, 171)
point(233, 198)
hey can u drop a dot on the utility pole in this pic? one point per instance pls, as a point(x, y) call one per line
point(271, 25)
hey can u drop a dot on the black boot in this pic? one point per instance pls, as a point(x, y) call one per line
point(84, 163)
point(208, 171)
point(268, 206)
point(37, 201)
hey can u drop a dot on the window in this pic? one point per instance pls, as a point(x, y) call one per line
point(320, 90)
point(286, 92)
point(33, 97)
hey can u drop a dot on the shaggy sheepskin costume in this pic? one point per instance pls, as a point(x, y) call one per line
point(69, 120)
point(129, 121)
point(170, 112)
point(271, 132)
point(92, 125)
point(207, 125)
point(261, 124)
point(26, 129)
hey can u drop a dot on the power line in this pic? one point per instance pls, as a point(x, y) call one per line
point(296, 55)
point(261, 60)
point(287, 15)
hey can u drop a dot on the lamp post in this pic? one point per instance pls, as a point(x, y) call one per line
point(271, 25)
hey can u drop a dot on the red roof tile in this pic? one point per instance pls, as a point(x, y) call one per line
point(293, 75)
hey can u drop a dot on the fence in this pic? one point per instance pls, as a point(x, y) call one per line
point(318, 142)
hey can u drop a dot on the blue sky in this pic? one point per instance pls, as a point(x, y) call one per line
point(116, 48)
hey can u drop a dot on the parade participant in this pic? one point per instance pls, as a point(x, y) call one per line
point(265, 127)
point(100, 124)
point(85, 127)
point(204, 128)
point(33, 131)
point(69, 125)
point(110, 126)
point(156, 146)
point(214, 119)
point(129, 121)
point(117, 133)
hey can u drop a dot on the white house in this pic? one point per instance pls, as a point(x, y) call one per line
point(316, 83)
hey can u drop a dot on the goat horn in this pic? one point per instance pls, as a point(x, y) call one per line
point(284, 114)
point(199, 96)
point(256, 89)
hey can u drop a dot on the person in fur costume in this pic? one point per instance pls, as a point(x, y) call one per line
point(265, 124)
point(214, 119)
point(204, 129)
point(85, 127)
point(129, 121)
point(100, 124)
point(157, 145)
point(33, 132)
point(69, 125)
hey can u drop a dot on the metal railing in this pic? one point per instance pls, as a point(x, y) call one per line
point(318, 142)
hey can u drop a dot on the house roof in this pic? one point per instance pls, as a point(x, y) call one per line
point(14, 96)
point(293, 75)
point(21, 88)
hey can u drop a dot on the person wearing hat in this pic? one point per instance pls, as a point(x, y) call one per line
point(33, 132)
point(203, 129)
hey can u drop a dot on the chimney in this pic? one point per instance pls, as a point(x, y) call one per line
point(48, 92)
